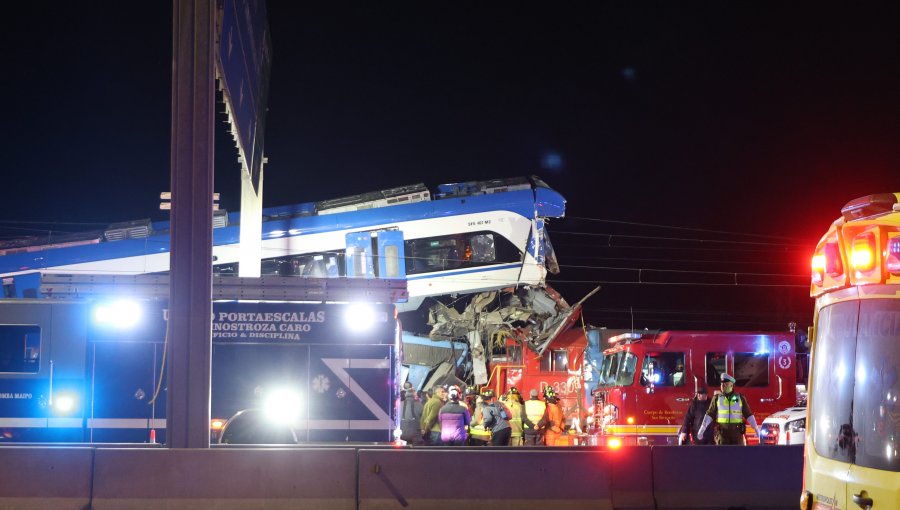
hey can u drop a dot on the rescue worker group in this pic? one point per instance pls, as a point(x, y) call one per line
point(451, 417)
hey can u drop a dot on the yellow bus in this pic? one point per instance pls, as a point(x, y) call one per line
point(853, 439)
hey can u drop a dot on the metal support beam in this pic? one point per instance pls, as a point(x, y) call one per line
point(190, 306)
point(266, 288)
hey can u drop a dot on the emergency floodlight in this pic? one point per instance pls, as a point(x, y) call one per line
point(64, 404)
point(359, 317)
point(124, 314)
point(282, 406)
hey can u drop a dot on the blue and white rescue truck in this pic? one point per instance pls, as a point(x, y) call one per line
point(93, 371)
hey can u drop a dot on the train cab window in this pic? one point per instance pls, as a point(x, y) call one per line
point(715, 367)
point(555, 361)
point(751, 369)
point(663, 369)
point(431, 254)
point(482, 248)
point(20, 349)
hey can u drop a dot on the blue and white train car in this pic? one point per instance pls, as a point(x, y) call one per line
point(468, 237)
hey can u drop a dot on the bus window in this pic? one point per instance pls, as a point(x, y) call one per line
point(751, 369)
point(20, 349)
point(876, 415)
point(715, 367)
point(832, 433)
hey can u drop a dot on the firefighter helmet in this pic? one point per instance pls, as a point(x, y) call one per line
point(487, 394)
point(453, 392)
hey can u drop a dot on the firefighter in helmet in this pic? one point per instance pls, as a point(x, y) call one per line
point(729, 409)
point(555, 419)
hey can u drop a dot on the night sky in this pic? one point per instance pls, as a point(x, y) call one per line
point(703, 149)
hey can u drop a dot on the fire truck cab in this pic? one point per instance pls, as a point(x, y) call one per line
point(646, 380)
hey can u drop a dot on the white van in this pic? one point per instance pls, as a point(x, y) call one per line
point(784, 427)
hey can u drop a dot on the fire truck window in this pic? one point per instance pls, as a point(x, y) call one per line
point(715, 367)
point(627, 368)
point(617, 369)
point(751, 369)
point(667, 369)
point(20, 349)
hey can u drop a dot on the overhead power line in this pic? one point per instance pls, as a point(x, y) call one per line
point(677, 239)
point(675, 227)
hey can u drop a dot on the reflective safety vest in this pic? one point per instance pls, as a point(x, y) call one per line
point(534, 410)
point(515, 417)
point(729, 409)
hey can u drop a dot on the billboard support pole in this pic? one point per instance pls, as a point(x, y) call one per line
point(190, 307)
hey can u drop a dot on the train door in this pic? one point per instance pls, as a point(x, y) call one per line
point(375, 254)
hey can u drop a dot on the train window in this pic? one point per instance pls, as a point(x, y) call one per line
point(482, 248)
point(555, 361)
point(715, 367)
point(431, 254)
point(9, 287)
point(751, 369)
point(20, 349)
point(391, 262)
point(667, 369)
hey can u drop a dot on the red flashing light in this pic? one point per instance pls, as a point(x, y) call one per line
point(818, 269)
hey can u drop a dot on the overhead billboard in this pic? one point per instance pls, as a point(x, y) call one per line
point(244, 63)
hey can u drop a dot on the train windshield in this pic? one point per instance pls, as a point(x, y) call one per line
point(617, 369)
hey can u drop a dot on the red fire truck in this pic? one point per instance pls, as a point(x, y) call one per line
point(646, 379)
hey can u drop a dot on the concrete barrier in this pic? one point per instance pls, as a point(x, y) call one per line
point(748, 477)
point(454, 478)
point(225, 479)
point(45, 477)
point(631, 478)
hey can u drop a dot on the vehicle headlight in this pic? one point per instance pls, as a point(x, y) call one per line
point(282, 406)
point(64, 403)
point(359, 317)
point(123, 314)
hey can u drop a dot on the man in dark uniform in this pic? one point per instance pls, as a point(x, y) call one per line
point(729, 410)
point(693, 419)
